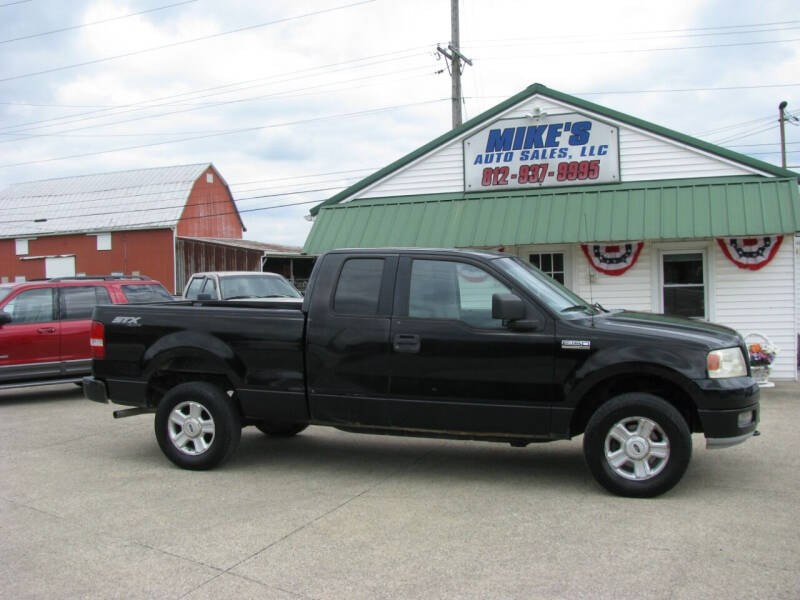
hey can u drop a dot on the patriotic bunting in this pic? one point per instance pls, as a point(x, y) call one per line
point(613, 259)
point(751, 252)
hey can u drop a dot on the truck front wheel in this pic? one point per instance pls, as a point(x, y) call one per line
point(196, 425)
point(637, 445)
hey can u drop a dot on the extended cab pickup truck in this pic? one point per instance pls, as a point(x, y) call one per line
point(442, 343)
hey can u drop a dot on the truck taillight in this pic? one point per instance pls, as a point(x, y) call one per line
point(97, 340)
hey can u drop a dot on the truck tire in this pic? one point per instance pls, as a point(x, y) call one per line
point(637, 445)
point(197, 426)
point(281, 429)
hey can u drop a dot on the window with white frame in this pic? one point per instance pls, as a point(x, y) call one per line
point(209, 178)
point(683, 284)
point(104, 241)
point(21, 246)
point(550, 263)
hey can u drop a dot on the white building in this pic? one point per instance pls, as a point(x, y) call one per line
point(624, 212)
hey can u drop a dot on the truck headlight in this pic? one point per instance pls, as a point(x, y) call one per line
point(727, 362)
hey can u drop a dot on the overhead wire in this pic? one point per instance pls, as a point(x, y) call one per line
point(190, 41)
point(82, 25)
point(194, 94)
point(284, 94)
point(229, 132)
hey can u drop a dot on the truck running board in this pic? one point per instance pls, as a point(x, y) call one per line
point(131, 412)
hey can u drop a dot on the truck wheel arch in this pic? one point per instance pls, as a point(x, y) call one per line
point(665, 383)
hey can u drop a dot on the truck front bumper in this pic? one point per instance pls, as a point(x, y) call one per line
point(731, 410)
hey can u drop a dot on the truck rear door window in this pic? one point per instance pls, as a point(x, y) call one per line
point(358, 290)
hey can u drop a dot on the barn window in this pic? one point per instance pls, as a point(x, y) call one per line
point(21, 246)
point(209, 178)
point(104, 241)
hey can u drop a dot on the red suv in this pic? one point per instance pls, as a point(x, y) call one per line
point(45, 325)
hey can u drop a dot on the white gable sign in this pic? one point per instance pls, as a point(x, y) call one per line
point(541, 151)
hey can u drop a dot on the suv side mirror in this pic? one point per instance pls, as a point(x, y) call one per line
point(4, 318)
point(204, 297)
point(507, 307)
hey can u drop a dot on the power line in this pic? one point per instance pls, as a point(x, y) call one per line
point(132, 197)
point(229, 132)
point(625, 36)
point(278, 78)
point(595, 52)
point(52, 31)
point(183, 42)
point(13, 3)
point(285, 94)
point(651, 32)
point(183, 204)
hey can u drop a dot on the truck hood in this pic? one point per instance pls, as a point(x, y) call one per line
point(656, 326)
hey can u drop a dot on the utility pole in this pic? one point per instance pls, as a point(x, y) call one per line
point(782, 120)
point(455, 57)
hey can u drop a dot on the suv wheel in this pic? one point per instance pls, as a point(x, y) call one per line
point(196, 425)
point(637, 445)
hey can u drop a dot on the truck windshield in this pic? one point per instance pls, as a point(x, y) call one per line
point(545, 288)
point(256, 286)
point(5, 291)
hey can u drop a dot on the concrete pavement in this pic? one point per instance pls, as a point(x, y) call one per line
point(89, 508)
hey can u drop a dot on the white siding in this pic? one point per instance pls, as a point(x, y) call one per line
point(643, 156)
point(632, 290)
point(761, 301)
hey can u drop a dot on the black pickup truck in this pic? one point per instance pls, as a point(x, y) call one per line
point(442, 343)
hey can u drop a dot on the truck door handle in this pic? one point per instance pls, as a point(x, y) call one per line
point(406, 343)
point(46, 330)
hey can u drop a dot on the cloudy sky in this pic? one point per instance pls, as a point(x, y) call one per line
point(293, 101)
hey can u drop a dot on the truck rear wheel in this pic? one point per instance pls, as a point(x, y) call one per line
point(637, 445)
point(196, 425)
point(281, 429)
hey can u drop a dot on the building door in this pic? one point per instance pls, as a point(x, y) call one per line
point(683, 284)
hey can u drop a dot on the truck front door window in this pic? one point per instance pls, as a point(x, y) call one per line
point(451, 290)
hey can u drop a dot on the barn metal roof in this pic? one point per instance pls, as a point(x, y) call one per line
point(667, 209)
point(139, 199)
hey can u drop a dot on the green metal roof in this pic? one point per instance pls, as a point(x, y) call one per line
point(667, 209)
point(538, 88)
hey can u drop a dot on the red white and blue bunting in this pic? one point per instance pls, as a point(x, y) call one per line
point(613, 259)
point(751, 252)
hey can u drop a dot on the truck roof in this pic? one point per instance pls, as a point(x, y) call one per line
point(486, 254)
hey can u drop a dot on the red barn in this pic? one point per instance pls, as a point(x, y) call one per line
point(126, 222)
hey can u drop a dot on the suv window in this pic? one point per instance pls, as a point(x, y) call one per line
point(358, 290)
point(194, 288)
point(442, 289)
point(32, 306)
point(78, 302)
point(146, 292)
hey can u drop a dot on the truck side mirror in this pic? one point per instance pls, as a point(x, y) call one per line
point(507, 307)
point(4, 318)
point(204, 297)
